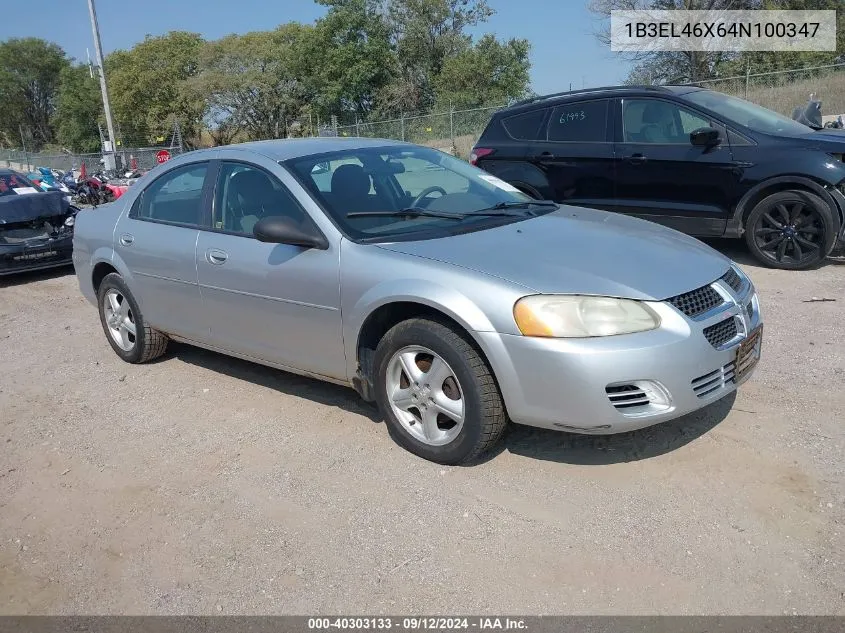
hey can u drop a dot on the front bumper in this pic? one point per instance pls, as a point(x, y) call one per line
point(577, 385)
point(36, 254)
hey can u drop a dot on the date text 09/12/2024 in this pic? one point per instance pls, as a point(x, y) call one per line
point(417, 623)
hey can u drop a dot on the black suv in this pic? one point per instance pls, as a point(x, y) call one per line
point(696, 160)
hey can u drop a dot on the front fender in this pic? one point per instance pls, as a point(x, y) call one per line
point(449, 301)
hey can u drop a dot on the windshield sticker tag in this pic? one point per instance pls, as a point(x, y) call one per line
point(24, 190)
point(501, 184)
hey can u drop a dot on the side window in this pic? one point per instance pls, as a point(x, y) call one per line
point(245, 194)
point(655, 121)
point(175, 197)
point(526, 126)
point(584, 122)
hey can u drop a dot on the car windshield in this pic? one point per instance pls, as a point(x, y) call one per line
point(746, 113)
point(380, 193)
point(10, 182)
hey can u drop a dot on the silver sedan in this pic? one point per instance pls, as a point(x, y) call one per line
point(440, 292)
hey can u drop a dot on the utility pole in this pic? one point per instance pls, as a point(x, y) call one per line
point(98, 50)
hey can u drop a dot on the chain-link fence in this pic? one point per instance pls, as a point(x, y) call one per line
point(455, 131)
point(783, 90)
point(129, 154)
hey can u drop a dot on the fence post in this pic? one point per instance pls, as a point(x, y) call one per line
point(747, 78)
point(402, 124)
point(357, 128)
point(452, 124)
point(23, 144)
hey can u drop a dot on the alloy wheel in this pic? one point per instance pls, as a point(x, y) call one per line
point(119, 319)
point(425, 395)
point(790, 232)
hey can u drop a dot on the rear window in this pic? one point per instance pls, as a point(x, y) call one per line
point(13, 184)
point(579, 122)
point(525, 126)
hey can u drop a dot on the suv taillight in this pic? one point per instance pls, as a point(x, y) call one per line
point(479, 152)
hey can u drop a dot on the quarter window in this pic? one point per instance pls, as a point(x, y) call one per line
point(660, 122)
point(526, 126)
point(584, 122)
point(175, 197)
point(247, 194)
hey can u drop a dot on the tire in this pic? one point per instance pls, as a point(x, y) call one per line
point(798, 219)
point(470, 383)
point(142, 346)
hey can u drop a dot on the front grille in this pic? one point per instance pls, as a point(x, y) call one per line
point(626, 396)
point(721, 333)
point(733, 280)
point(697, 302)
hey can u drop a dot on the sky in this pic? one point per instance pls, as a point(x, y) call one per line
point(564, 49)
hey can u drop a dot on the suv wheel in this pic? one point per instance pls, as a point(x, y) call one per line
point(437, 394)
point(791, 230)
point(123, 323)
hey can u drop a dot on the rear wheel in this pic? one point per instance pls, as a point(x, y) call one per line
point(791, 230)
point(130, 338)
point(437, 394)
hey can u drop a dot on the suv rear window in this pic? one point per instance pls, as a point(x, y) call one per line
point(579, 122)
point(525, 126)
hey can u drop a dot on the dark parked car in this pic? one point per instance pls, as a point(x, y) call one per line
point(695, 160)
point(36, 227)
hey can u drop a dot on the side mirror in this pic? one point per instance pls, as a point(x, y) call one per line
point(704, 137)
point(281, 230)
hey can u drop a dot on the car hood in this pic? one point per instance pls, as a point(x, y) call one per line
point(581, 251)
point(32, 206)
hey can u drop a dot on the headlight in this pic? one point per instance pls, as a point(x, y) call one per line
point(70, 221)
point(576, 316)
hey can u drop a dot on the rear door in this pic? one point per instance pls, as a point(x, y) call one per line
point(575, 152)
point(662, 177)
point(157, 242)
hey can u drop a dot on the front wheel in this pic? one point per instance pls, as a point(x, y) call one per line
point(437, 393)
point(791, 230)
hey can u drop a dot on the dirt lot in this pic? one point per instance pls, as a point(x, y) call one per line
point(203, 484)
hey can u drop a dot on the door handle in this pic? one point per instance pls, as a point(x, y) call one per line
point(126, 239)
point(637, 159)
point(216, 256)
point(543, 156)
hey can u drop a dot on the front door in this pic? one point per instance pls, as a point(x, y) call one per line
point(662, 177)
point(273, 302)
point(576, 154)
point(157, 241)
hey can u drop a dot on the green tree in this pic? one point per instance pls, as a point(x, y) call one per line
point(30, 69)
point(425, 34)
point(148, 87)
point(487, 72)
point(347, 57)
point(79, 107)
point(250, 82)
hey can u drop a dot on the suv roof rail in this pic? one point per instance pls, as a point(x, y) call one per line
point(585, 91)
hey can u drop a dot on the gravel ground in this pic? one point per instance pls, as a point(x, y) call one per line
point(203, 484)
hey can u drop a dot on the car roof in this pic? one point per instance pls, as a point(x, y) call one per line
point(604, 91)
point(285, 149)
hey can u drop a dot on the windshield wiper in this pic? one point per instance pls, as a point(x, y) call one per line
point(503, 206)
point(410, 212)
